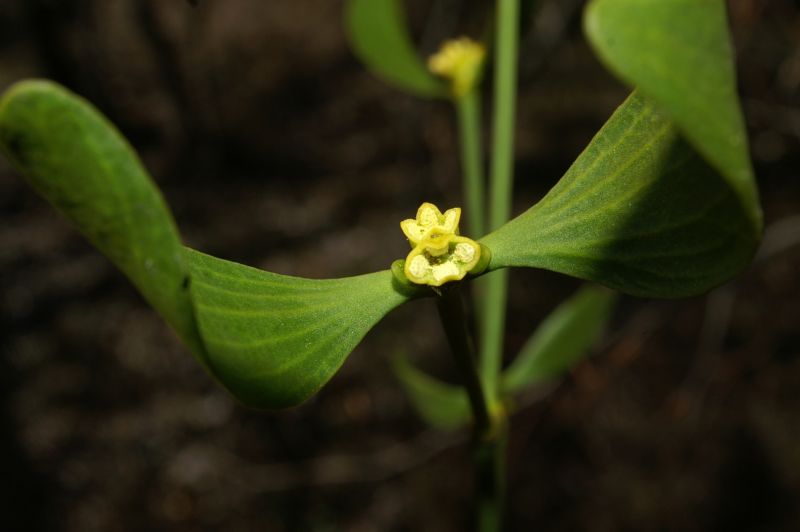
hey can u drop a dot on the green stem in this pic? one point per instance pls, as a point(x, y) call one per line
point(493, 316)
point(451, 311)
point(490, 455)
point(505, 79)
point(490, 428)
point(468, 109)
point(505, 93)
point(490, 468)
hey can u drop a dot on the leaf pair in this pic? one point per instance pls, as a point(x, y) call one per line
point(662, 202)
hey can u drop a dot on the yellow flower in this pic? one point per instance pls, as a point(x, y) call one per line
point(439, 255)
point(430, 223)
point(461, 61)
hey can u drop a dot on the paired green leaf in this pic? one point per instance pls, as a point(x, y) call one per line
point(442, 405)
point(639, 211)
point(379, 37)
point(75, 158)
point(662, 202)
point(272, 340)
point(276, 339)
point(562, 339)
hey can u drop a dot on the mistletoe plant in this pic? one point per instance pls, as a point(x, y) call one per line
point(662, 203)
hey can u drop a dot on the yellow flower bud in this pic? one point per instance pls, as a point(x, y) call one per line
point(460, 61)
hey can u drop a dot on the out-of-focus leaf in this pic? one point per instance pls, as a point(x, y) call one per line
point(562, 339)
point(380, 38)
point(440, 404)
point(272, 340)
point(678, 54)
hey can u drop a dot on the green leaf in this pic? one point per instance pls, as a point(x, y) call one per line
point(272, 340)
point(662, 202)
point(562, 339)
point(678, 54)
point(380, 38)
point(440, 404)
point(640, 211)
point(78, 161)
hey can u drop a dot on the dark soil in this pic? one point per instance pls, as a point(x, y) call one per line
point(275, 148)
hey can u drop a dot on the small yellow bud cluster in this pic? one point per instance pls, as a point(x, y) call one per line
point(439, 254)
point(460, 61)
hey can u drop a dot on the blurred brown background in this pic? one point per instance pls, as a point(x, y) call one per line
point(274, 147)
